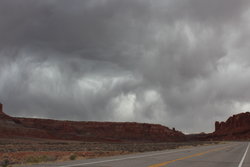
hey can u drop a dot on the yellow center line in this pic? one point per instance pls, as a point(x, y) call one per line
point(190, 156)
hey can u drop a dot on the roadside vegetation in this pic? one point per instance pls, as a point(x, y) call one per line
point(30, 151)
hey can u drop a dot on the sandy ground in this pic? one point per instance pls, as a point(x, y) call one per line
point(30, 151)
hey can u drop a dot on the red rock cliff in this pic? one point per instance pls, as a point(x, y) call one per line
point(103, 131)
point(237, 127)
point(87, 131)
point(1, 108)
point(3, 115)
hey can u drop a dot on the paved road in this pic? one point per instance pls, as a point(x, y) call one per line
point(234, 154)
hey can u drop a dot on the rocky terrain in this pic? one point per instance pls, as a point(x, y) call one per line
point(29, 140)
point(86, 131)
point(25, 151)
point(236, 127)
point(30, 150)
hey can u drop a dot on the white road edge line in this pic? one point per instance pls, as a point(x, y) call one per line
point(112, 160)
point(244, 156)
point(120, 159)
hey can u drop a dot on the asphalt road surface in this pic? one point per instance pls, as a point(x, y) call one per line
point(235, 154)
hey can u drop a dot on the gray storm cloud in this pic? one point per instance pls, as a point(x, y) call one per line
point(181, 63)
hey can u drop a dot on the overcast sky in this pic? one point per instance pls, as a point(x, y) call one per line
point(180, 63)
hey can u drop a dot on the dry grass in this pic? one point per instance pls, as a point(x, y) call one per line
point(30, 151)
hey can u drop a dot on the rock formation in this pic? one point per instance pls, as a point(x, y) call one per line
point(3, 116)
point(237, 127)
point(86, 131)
point(1, 108)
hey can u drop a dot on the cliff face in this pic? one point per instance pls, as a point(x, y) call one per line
point(3, 116)
point(104, 131)
point(86, 131)
point(236, 127)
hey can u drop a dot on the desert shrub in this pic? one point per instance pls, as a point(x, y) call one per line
point(51, 158)
point(33, 159)
point(39, 159)
point(5, 163)
point(73, 157)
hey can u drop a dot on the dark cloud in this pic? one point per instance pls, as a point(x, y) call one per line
point(180, 63)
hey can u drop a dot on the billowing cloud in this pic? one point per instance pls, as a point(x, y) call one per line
point(181, 63)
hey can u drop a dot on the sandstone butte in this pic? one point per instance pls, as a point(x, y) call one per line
point(86, 131)
point(236, 127)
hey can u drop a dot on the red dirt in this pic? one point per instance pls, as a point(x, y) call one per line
point(23, 151)
point(52, 156)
